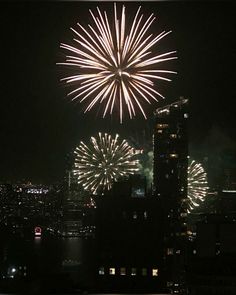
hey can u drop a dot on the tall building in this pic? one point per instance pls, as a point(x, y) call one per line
point(170, 185)
point(141, 237)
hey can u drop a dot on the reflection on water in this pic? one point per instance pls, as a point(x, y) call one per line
point(47, 262)
point(72, 249)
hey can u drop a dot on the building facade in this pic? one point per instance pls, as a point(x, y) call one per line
point(170, 187)
point(128, 240)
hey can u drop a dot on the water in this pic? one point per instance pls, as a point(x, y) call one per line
point(49, 262)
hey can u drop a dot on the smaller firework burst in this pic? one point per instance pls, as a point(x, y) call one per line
point(197, 185)
point(102, 161)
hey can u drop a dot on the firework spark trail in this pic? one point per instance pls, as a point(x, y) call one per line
point(197, 184)
point(103, 161)
point(116, 68)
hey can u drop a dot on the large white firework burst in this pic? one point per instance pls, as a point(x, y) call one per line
point(197, 185)
point(102, 161)
point(114, 64)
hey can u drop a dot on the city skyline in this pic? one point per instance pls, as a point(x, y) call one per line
point(40, 125)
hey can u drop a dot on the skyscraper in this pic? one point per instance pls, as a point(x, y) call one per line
point(170, 184)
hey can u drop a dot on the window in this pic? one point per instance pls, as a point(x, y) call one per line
point(144, 271)
point(169, 251)
point(162, 126)
point(154, 272)
point(185, 115)
point(173, 135)
point(133, 271)
point(122, 271)
point(159, 130)
point(101, 271)
point(135, 215)
point(173, 155)
point(145, 215)
point(112, 271)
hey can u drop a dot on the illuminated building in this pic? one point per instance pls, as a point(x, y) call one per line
point(170, 185)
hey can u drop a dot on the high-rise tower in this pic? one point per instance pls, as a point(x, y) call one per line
point(170, 184)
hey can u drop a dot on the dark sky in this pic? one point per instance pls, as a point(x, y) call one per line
point(38, 123)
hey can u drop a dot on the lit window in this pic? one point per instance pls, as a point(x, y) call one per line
point(159, 131)
point(135, 216)
point(112, 271)
point(170, 251)
point(144, 271)
point(173, 135)
point(101, 271)
point(145, 215)
point(194, 251)
point(133, 271)
point(154, 272)
point(178, 252)
point(13, 269)
point(122, 271)
point(162, 126)
point(186, 115)
point(173, 155)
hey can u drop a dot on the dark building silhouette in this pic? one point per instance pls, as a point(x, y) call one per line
point(170, 186)
point(140, 236)
point(212, 255)
point(128, 239)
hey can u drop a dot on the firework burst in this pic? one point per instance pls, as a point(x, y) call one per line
point(113, 63)
point(103, 161)
point(197, 185)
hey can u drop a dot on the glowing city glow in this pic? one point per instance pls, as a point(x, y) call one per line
point(113, 63)
point(103, 161)
point(197, 185)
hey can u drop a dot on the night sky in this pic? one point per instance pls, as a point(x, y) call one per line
point(39, 125)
